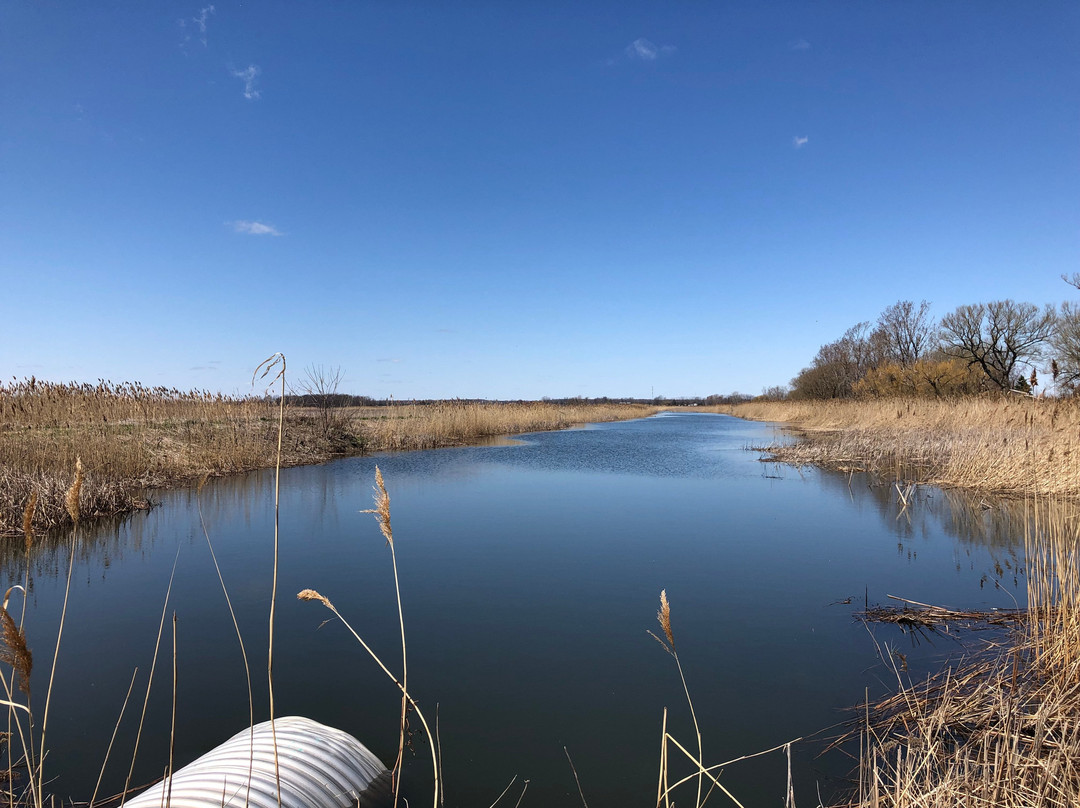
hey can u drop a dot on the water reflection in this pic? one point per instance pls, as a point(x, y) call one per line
point(530, 574)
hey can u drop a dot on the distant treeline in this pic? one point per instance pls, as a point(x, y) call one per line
point(1001, 346)
point(339, 400)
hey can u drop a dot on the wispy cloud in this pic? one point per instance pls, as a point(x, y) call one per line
point(643, 50)
point(800, 44)
point(393, 360)
point(248, 76)
point(254, 228)
point(200, 23)
point(213, 364)
point(799, 141)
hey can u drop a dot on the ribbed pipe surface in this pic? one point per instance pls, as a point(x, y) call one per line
point(320, 767)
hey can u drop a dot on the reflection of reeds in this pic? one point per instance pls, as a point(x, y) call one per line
point(1000, 730)
point(1004, 445)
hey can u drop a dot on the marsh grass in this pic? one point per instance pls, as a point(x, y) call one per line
point(1012, 446)
point(1001, 728)
point(133, 439)
point(457, 423)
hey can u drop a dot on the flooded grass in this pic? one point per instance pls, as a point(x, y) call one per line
point(1003, 727)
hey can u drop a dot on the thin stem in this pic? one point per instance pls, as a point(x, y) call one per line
point(112, 740)
point(576, 780)
point(660, 790)
point(150, 681)
point(270, 364)
point(27, 743)
point(703, 771)
point(404, 681)
point(56, 657)
point(400, 685)
point(240, 639)
point(172, 729)
point(697, 729)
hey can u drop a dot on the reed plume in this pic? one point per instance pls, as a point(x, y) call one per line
point(71, 500)
point(311, 594)
point(14, 650)
point(28, 519)
point(663, 616)
point(382, 508)
point(382, 516)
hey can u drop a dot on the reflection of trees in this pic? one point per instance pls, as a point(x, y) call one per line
point(971, 518)
point(242, 501)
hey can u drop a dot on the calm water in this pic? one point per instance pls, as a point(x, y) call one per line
point(530, 574)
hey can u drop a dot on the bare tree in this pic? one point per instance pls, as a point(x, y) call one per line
point(1000, 337)
point(906, 332)
point(319, 389)
point(1066, 347)
point(838, 365)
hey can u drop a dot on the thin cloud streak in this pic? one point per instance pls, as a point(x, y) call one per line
point(643, 50)
point(798, 142)
point(254, 228)
point(200, 21)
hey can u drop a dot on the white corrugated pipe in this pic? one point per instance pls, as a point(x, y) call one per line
point(320, 767)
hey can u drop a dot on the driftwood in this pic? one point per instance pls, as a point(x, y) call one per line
point(914, 614)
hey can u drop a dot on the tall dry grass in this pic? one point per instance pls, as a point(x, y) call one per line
point(133, 439)
point(454, 423)
point(130, 438)
point(1003, 445)
point(1002, 729)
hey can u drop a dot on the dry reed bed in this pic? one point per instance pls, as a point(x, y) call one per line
point(429, 426)
point(132, 439)
point(1002, 445)
point(1002, 729)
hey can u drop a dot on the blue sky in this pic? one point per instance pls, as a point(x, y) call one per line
point(520, 199)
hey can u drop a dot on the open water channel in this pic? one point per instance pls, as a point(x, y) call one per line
point(530, 573)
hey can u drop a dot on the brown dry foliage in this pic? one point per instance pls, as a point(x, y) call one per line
point(133, 439)
point(1013, 445)
point(14, 650)
point(1002, 730)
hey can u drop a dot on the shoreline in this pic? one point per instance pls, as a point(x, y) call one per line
point(1006, 447)
point(125, 461)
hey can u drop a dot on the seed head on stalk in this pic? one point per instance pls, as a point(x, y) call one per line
point(663, 617)
point(71, 501)
point(28, 519)
point(382, 508)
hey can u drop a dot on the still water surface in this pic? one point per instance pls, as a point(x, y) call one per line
point(530, 573)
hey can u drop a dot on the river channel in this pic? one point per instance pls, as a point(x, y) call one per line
point(530, 574)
